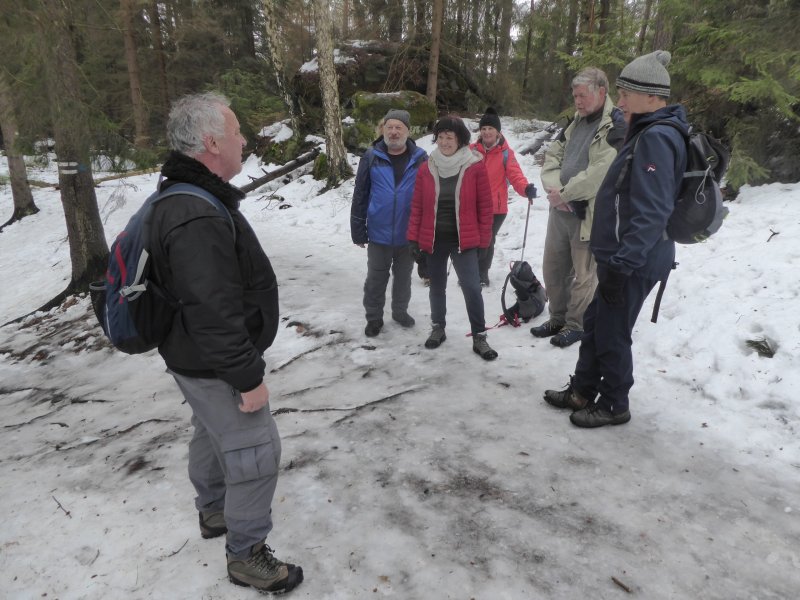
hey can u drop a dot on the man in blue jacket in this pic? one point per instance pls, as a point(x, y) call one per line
point(629, 243)
point(379, 218)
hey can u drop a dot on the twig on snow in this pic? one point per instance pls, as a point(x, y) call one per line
point(774, 233)
point(66, 512)
point(622, 585)
point(178, 550)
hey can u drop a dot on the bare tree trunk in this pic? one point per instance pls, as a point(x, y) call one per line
point(663, 34)
point(345, 19)
point(645, 23)
point(338, 167)
point(528, 38)
point(158, 48)
point(569, 47)
point(87, 243)
point(605, 15)
point(275, 52)
point(436, 43)
point(137, 101)
point(503, 58)
point(20, 190)
point(395, 20)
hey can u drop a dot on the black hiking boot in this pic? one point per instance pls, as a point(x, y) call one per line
point(596, 416)
point(546, 329)
point(405, 319)
point(373, 328)
point(264, 572)
point(566, 337)
point(212, 524)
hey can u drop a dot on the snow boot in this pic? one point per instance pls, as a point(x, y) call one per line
point(566, 337)
point(263, 571)
point(481, 347)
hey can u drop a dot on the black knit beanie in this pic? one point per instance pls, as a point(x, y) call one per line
point(491, 119)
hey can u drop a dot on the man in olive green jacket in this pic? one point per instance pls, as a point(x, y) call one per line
point(574, 167)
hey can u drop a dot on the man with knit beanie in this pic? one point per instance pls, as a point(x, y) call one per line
point(503, 170)
point(379, 218)
point(574, 167)
point(628, 242)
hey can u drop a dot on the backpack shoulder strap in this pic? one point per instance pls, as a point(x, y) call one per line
point(629, 159)
point(188, 189)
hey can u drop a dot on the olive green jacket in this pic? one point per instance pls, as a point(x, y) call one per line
point(602, 152)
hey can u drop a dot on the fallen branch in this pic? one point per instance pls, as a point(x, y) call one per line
point(66, 512)
point(294, 358)
point(622, 585)
point(127, 174)
point(774, 233)
point(288, 167)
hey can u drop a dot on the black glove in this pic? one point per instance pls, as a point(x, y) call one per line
point(579, 208)
point(611, 286)
point(416, 253)
point(530, 191)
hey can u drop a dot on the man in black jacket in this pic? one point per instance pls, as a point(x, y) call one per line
point(215, 267)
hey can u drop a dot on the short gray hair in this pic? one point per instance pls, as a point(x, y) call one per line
point(593, 78)
point(192, 118)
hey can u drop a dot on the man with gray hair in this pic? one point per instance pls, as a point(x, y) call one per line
point(574, 167)
point(379, 218)
point(629, 242)
point(212, 264)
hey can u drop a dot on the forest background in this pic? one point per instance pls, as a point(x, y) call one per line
point(95, 78)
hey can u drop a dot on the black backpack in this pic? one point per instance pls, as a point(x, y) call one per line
point(135, 312)
point(699, 211)
point(530, 293)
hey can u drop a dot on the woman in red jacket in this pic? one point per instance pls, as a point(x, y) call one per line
point(451, 217)
point(503, 170)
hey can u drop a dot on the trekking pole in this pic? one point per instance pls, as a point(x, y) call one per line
point(527, 216)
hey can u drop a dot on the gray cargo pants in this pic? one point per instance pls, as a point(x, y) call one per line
point(381, 260)
point(233, 460)
point(569, 270)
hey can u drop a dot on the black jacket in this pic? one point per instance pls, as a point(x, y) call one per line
point(227, 290)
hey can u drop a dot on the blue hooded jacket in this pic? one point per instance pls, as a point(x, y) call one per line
point(380, 209)
point(628, 233)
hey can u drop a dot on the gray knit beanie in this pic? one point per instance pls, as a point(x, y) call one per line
point(647, 74)
point(398, 115)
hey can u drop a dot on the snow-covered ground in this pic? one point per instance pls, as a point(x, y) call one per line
point(411, 473)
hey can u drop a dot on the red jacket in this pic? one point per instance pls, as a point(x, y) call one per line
point(474, 207)
point(500, 176)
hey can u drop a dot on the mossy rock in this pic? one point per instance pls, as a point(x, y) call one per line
point(279, 153)
point(369, 108)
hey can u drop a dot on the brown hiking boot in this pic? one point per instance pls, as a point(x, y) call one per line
point(212, 524)
point(566, 398)
point(264, 572)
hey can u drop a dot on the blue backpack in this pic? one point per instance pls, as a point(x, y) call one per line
point(135, 312)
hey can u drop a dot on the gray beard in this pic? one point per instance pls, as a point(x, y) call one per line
point(395, 146)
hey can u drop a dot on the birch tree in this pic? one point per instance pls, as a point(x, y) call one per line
point(338, 167)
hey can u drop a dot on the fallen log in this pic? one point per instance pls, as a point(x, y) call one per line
point(288, 167)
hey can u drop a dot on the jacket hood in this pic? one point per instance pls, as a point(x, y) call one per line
point(673, 112)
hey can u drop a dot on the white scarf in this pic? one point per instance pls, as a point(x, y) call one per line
point(447, 166)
